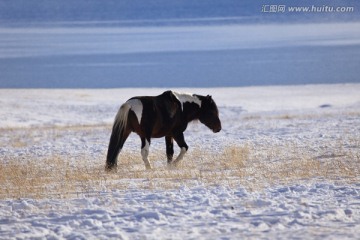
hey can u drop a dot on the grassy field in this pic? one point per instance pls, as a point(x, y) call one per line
point(253, 167)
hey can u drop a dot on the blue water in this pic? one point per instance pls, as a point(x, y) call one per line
point(177, 43)
point(274, 66)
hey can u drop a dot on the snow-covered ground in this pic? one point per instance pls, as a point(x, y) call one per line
point(285, 165)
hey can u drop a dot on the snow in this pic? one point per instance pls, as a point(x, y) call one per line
point(82, 107)
point(299, 177)
point(312, 210)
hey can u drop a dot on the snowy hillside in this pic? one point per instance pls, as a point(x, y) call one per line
point(285, 165)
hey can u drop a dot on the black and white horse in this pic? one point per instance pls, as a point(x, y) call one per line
point(166, 115)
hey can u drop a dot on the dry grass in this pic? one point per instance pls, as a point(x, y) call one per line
point(62, 177)
point(235, 165)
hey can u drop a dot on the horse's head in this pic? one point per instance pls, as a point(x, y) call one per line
point(209, 114)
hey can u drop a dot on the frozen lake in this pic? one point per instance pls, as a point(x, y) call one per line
point(196, 56)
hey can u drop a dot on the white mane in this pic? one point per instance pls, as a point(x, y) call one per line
point(187, 97)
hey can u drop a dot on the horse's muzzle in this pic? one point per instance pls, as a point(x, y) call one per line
point(216, 130)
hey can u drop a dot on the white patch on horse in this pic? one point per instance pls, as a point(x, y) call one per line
point(137, 107)
point(186, 97)
point(145, 154)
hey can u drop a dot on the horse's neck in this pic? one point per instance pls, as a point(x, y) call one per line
point(191, 111)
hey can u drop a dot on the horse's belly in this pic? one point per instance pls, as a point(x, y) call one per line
point(161, 130)
point(160, 133)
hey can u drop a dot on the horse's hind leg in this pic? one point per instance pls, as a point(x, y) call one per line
point(169, 148)
point(145, 144)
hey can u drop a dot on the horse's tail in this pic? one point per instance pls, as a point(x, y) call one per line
point(118, 137)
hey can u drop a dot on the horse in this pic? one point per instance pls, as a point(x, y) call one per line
point(166, 115)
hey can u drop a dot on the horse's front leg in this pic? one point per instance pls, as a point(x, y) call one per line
point(179, 138)
point(169, 148)
point(145, 144)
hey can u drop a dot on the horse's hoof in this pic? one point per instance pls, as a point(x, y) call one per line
point(111, 169)
point(172, 165)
